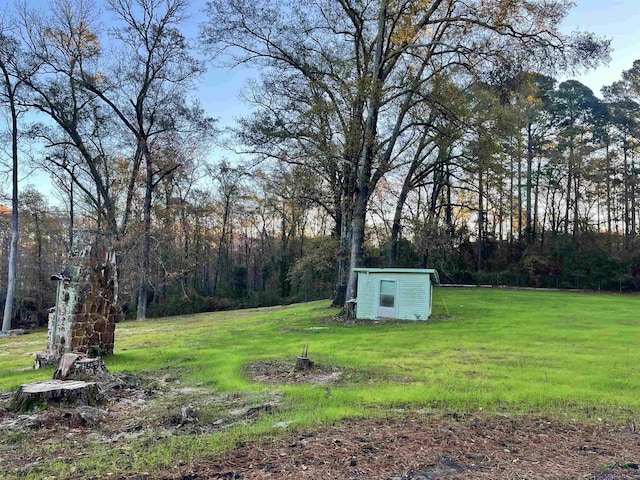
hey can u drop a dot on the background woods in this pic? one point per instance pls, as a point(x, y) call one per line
point(391, 133)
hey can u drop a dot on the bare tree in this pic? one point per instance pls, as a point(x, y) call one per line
point(12, 70)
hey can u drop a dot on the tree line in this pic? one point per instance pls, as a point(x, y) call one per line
point(405, 133)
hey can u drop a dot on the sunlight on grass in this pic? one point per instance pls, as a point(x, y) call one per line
point(510, 349)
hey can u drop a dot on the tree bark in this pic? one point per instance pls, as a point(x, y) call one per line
point(146, 241)
point(13, 249)
point(529, 228)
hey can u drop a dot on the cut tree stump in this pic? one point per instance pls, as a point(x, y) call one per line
point(88, 368)
point(78, 367)
point(65, 366)
point(56, 392)
point(303, 362)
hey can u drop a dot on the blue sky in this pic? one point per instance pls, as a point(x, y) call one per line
point(618, 20)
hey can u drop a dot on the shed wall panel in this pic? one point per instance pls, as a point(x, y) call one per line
point(413, 293)
point(413, 298)
point(367, 290)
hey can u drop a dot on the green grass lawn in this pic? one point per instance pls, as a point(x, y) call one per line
point(516, 352)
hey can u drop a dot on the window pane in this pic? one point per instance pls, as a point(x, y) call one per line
point(386, 300)
point(387, 287)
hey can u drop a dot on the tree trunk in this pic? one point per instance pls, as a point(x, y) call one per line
point(342, 232)
point(536, 201)
point(146, 242)
point(520, 222)
point(397, 219)
point(221, 245)
point(632, 193)
point(357, 240)
point(577, 171)
point(480, 219)
point(370, 136)
point(627, 217)
point(13, 264)
point(608, 186)
point(529, 228)
point(449, 207)
point(13, 249)
point(569, 188)
point(511, 199)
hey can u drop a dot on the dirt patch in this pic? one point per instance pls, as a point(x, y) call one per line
point(135, 407)
point(282, 371)
point(422, 447)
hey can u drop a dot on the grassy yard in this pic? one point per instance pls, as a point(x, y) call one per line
point(562, 354)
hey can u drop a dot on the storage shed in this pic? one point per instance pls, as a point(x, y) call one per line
point(400, 293)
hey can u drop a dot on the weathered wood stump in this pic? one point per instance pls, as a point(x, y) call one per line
point(58, 392)
point(303, 362)
point(78, 367)
point(64, 367)
point(44, 359)
point(88, 368)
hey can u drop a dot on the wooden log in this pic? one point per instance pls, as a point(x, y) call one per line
point(55, 392)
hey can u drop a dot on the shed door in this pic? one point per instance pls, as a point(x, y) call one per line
point(387, 299)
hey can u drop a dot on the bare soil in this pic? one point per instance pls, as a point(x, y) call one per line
point(407, 445)
point(419, 447)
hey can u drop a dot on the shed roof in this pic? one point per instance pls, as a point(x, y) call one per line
point(423, 271)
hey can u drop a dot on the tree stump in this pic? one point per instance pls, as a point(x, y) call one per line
point(78, 367)
point(88, 368)
point(57, 392)
point(303, 362)
point(64, 367)
point(44, 359)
